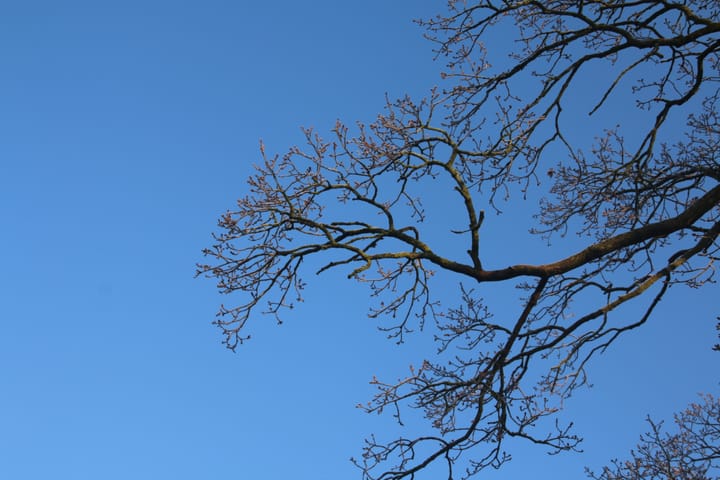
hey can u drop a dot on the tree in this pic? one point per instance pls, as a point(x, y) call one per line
point(688, 454)
point(510, 123)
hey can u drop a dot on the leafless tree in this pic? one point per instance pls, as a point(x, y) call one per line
point(530, 113)
point(689, 454)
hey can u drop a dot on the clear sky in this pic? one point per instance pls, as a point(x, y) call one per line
point(126, 129)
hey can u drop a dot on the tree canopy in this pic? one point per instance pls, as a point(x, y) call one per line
point(605, 112)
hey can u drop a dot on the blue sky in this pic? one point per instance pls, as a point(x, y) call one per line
point(126, 129)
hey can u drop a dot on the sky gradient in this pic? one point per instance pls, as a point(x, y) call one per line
point(126, 129)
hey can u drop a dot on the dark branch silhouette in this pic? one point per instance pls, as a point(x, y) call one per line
point(642, 194)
